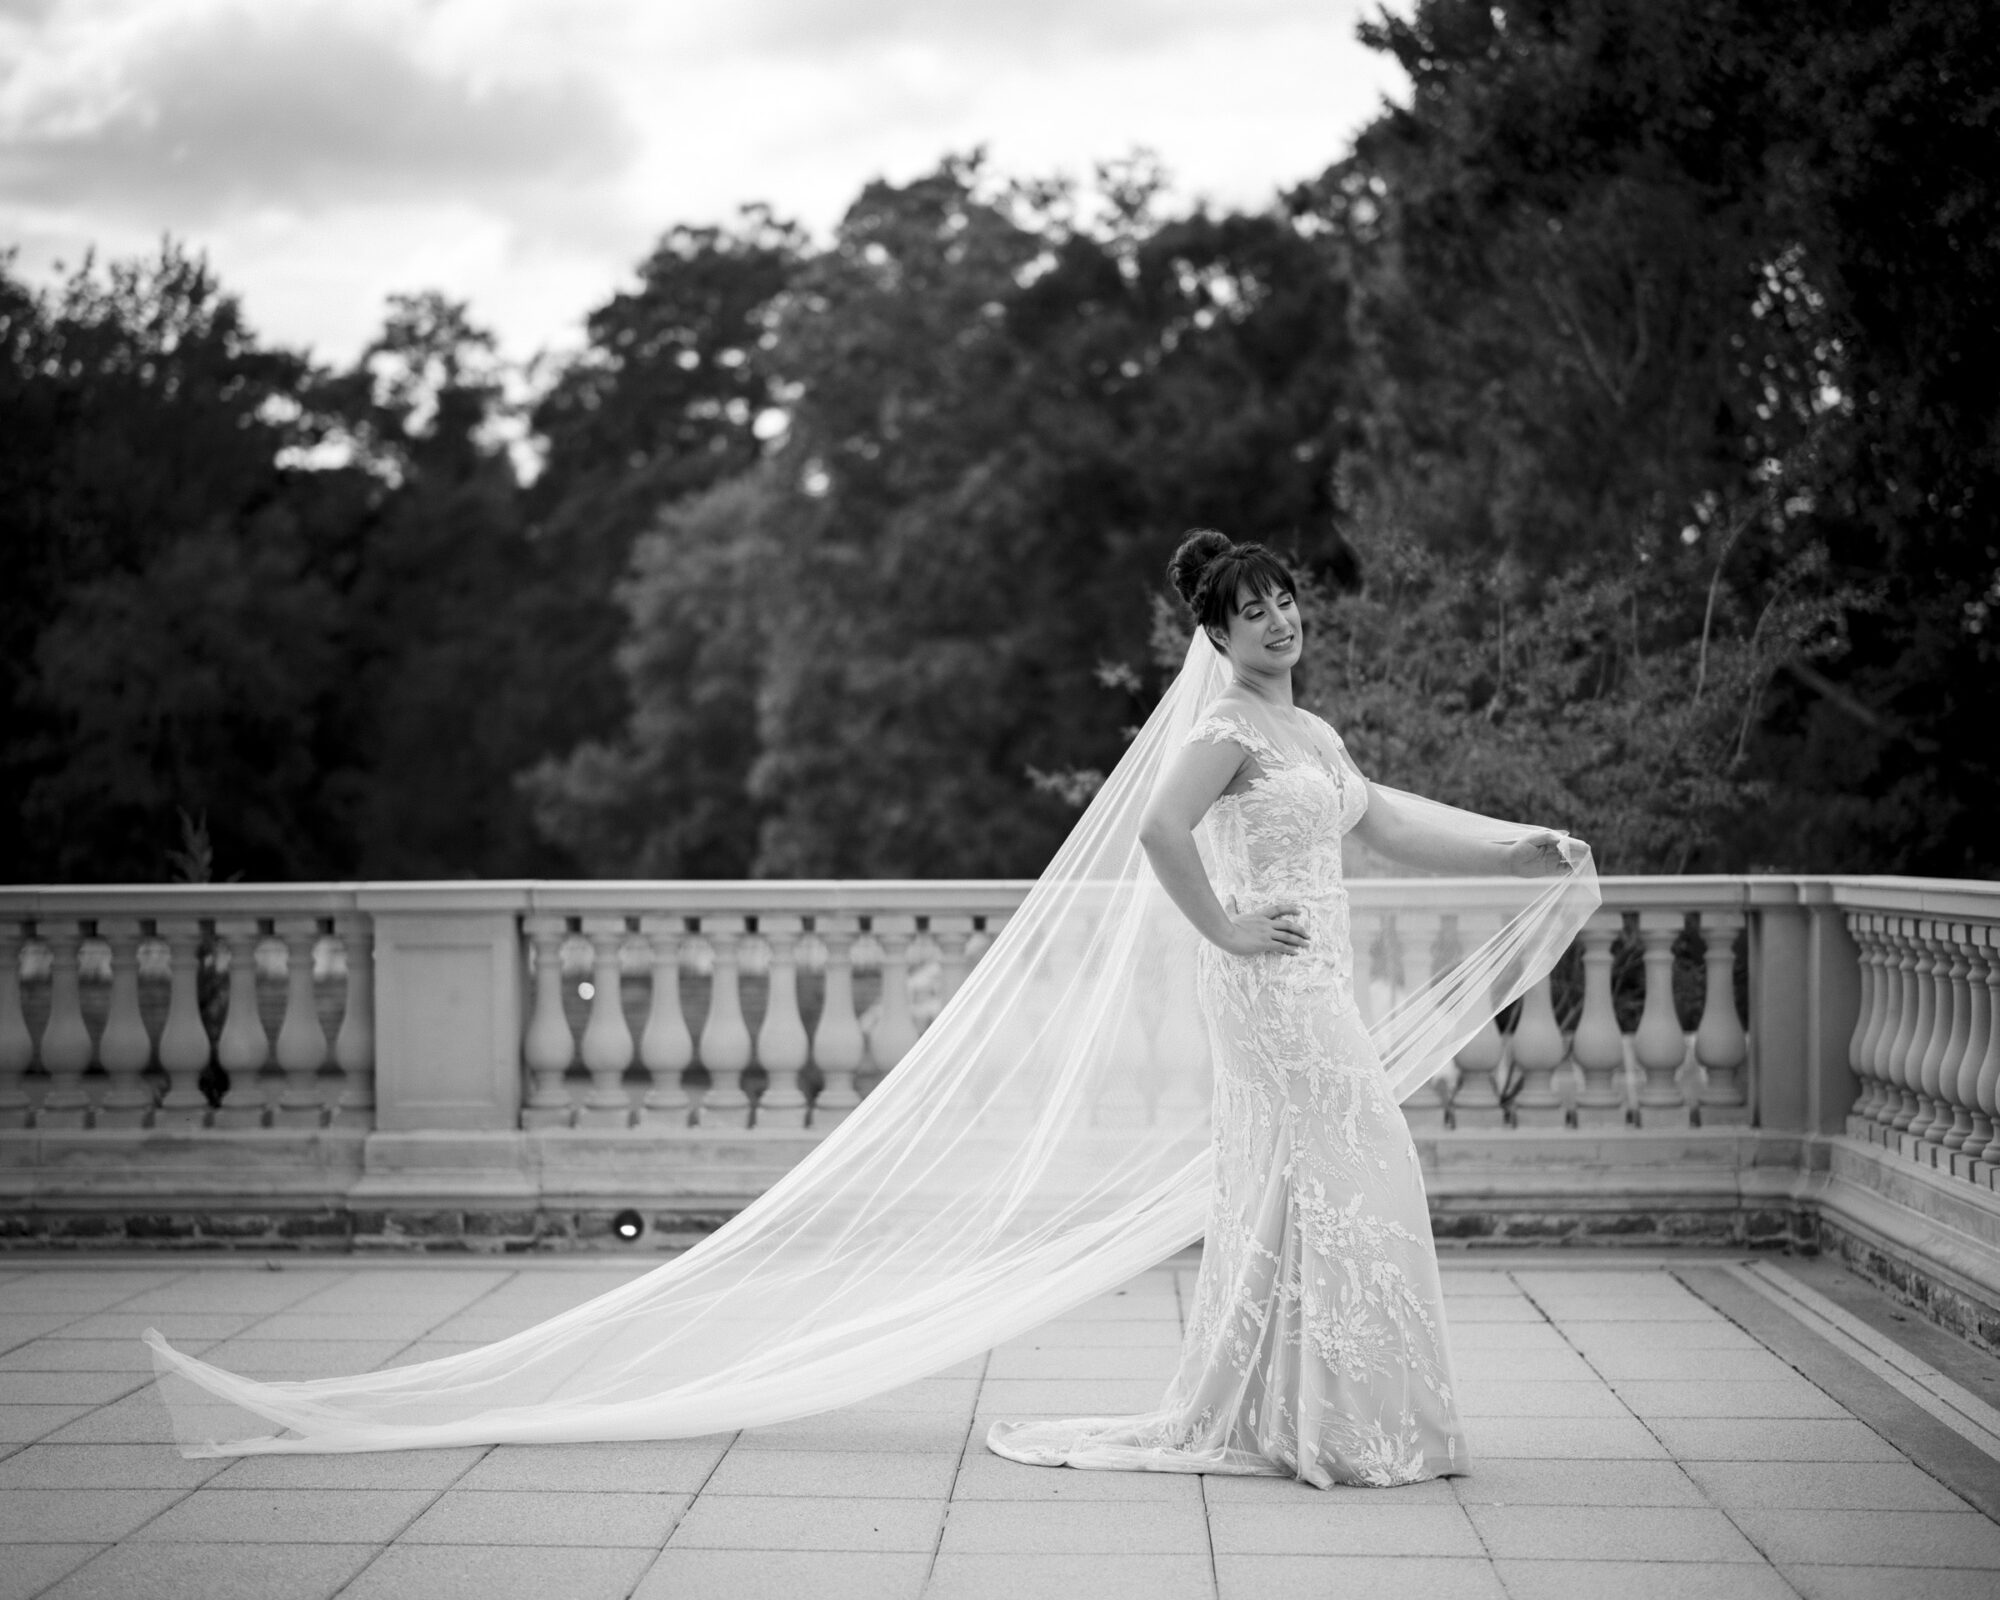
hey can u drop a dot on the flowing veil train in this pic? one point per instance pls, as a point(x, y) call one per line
point(1044, 1140)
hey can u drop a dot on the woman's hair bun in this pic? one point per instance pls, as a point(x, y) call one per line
point(1196, 551)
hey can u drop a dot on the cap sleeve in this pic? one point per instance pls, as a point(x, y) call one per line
point(1219, 727)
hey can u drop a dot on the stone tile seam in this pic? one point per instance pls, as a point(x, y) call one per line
point(1939, 1383)
point(1965, 1416)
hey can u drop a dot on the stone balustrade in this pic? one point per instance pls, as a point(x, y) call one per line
point(506, 1064)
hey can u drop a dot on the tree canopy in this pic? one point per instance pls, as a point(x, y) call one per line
point(1627, 399)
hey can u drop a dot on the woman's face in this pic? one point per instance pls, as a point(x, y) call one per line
point(1265, 634)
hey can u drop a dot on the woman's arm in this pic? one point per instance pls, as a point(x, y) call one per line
point(1410, 839)
point(1192, 784)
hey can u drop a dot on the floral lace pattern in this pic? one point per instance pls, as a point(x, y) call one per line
point(1315, 1343)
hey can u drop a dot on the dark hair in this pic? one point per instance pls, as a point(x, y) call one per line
point(1210, 570)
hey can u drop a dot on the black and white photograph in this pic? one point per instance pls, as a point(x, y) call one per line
point(915, 800)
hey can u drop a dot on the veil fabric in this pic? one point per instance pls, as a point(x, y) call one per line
point(1045, 1139)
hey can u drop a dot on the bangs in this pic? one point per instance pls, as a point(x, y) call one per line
point(1262, 573)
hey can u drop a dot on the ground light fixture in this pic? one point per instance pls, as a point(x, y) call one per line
point(628, 1225)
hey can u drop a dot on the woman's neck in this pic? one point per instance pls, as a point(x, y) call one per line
point(1268, 688)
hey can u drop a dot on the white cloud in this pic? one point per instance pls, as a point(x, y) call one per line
point(523, 153)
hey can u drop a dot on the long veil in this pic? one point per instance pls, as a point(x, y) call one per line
point(1045, 1139)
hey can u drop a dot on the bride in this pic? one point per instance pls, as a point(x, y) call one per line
point(1136, 1062)
point(1315, 1345)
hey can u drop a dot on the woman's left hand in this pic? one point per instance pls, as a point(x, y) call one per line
point(1537, 855)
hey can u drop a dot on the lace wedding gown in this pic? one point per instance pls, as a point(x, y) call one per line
point(1315, 1345)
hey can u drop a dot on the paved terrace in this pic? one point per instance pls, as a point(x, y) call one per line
point(1686, 1425)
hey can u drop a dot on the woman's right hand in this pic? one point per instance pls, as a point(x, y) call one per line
point(1273, 931)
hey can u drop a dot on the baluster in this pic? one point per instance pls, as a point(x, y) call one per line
point(301, 1038)
point(781, 1041)
point(1598, 1047)
point(1659, 1044)
point(895, 1029)
point(1720, 1045)
point(1868, 1020)
point(244, 1046)
point(1894, 1015)
point(666, 1047)
point(1925, 1037)
point(125, 1047)
point(1986, 1121)
point(725, 1038)
point(1954, 1125)
point(354, 1045)
point(66, 1046)
point(550, 1046)
point(1912, 997)
point(184, 1044)
point(1538, 1051)
point(837, 1042)
point(1420, 954)
point(17, 1045)
point(953, 936)
point(1934, 1113)
point(1476, 1102)
point(607, 1037)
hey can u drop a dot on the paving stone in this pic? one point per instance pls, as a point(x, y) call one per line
point(984, 1476)
point(1772, 1439)
point(1598, 1282)
point(991, 1527)
point(216, 1572)
point(1888, 1538)
point(1468, 1337)
point(879, 1474)
point(931, 1396)
point(319, 1327)
point(1339, 1525)
point(1610, 1533)
point(31, 1568)
point(1522, 1366)
point(104, 1466)
point(1241, 1489)
point(1503, 1481)
point(1699, 1366)
point(848, 1430)
point(499, 1572)
point(1251, 1577)
point(1476, 1280)
point(139, 1418)
point(301, 1358)
point(802, 1522)
point(24, 1424)
point(67, 1388)
point(18, 1327)
point(1086, 1397)
point(668, 1466)
point(1070, 1577)
point(1150, 1363)
point(94, 1290)
point(1492, 1398)
point(1889, 1583)
point(1572, 1438)
point(399, 1290)
point(1793, 1397)
point(1823, 1485)
point(1652, 1309)
point(289, 1516)
point(1643, 1580)
point(1642, 1333)
point(176, 1325)
point(1493, 1308)
point(58, 1354)
point(785, 1575)
point(64, 1516)
point(372, 1469)
point(216, 1289)
point(1101, 1334)
point(524, 1516)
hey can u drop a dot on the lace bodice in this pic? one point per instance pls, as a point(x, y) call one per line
point(1278, 842)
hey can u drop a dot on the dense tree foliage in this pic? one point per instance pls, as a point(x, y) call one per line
point(1629, 396)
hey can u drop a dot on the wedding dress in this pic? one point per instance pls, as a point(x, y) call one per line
point(1315, 1343)
point(1046, 1138)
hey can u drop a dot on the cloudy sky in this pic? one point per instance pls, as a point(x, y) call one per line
point(523, 154)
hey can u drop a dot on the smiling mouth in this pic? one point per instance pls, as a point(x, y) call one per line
point(1280, 644)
